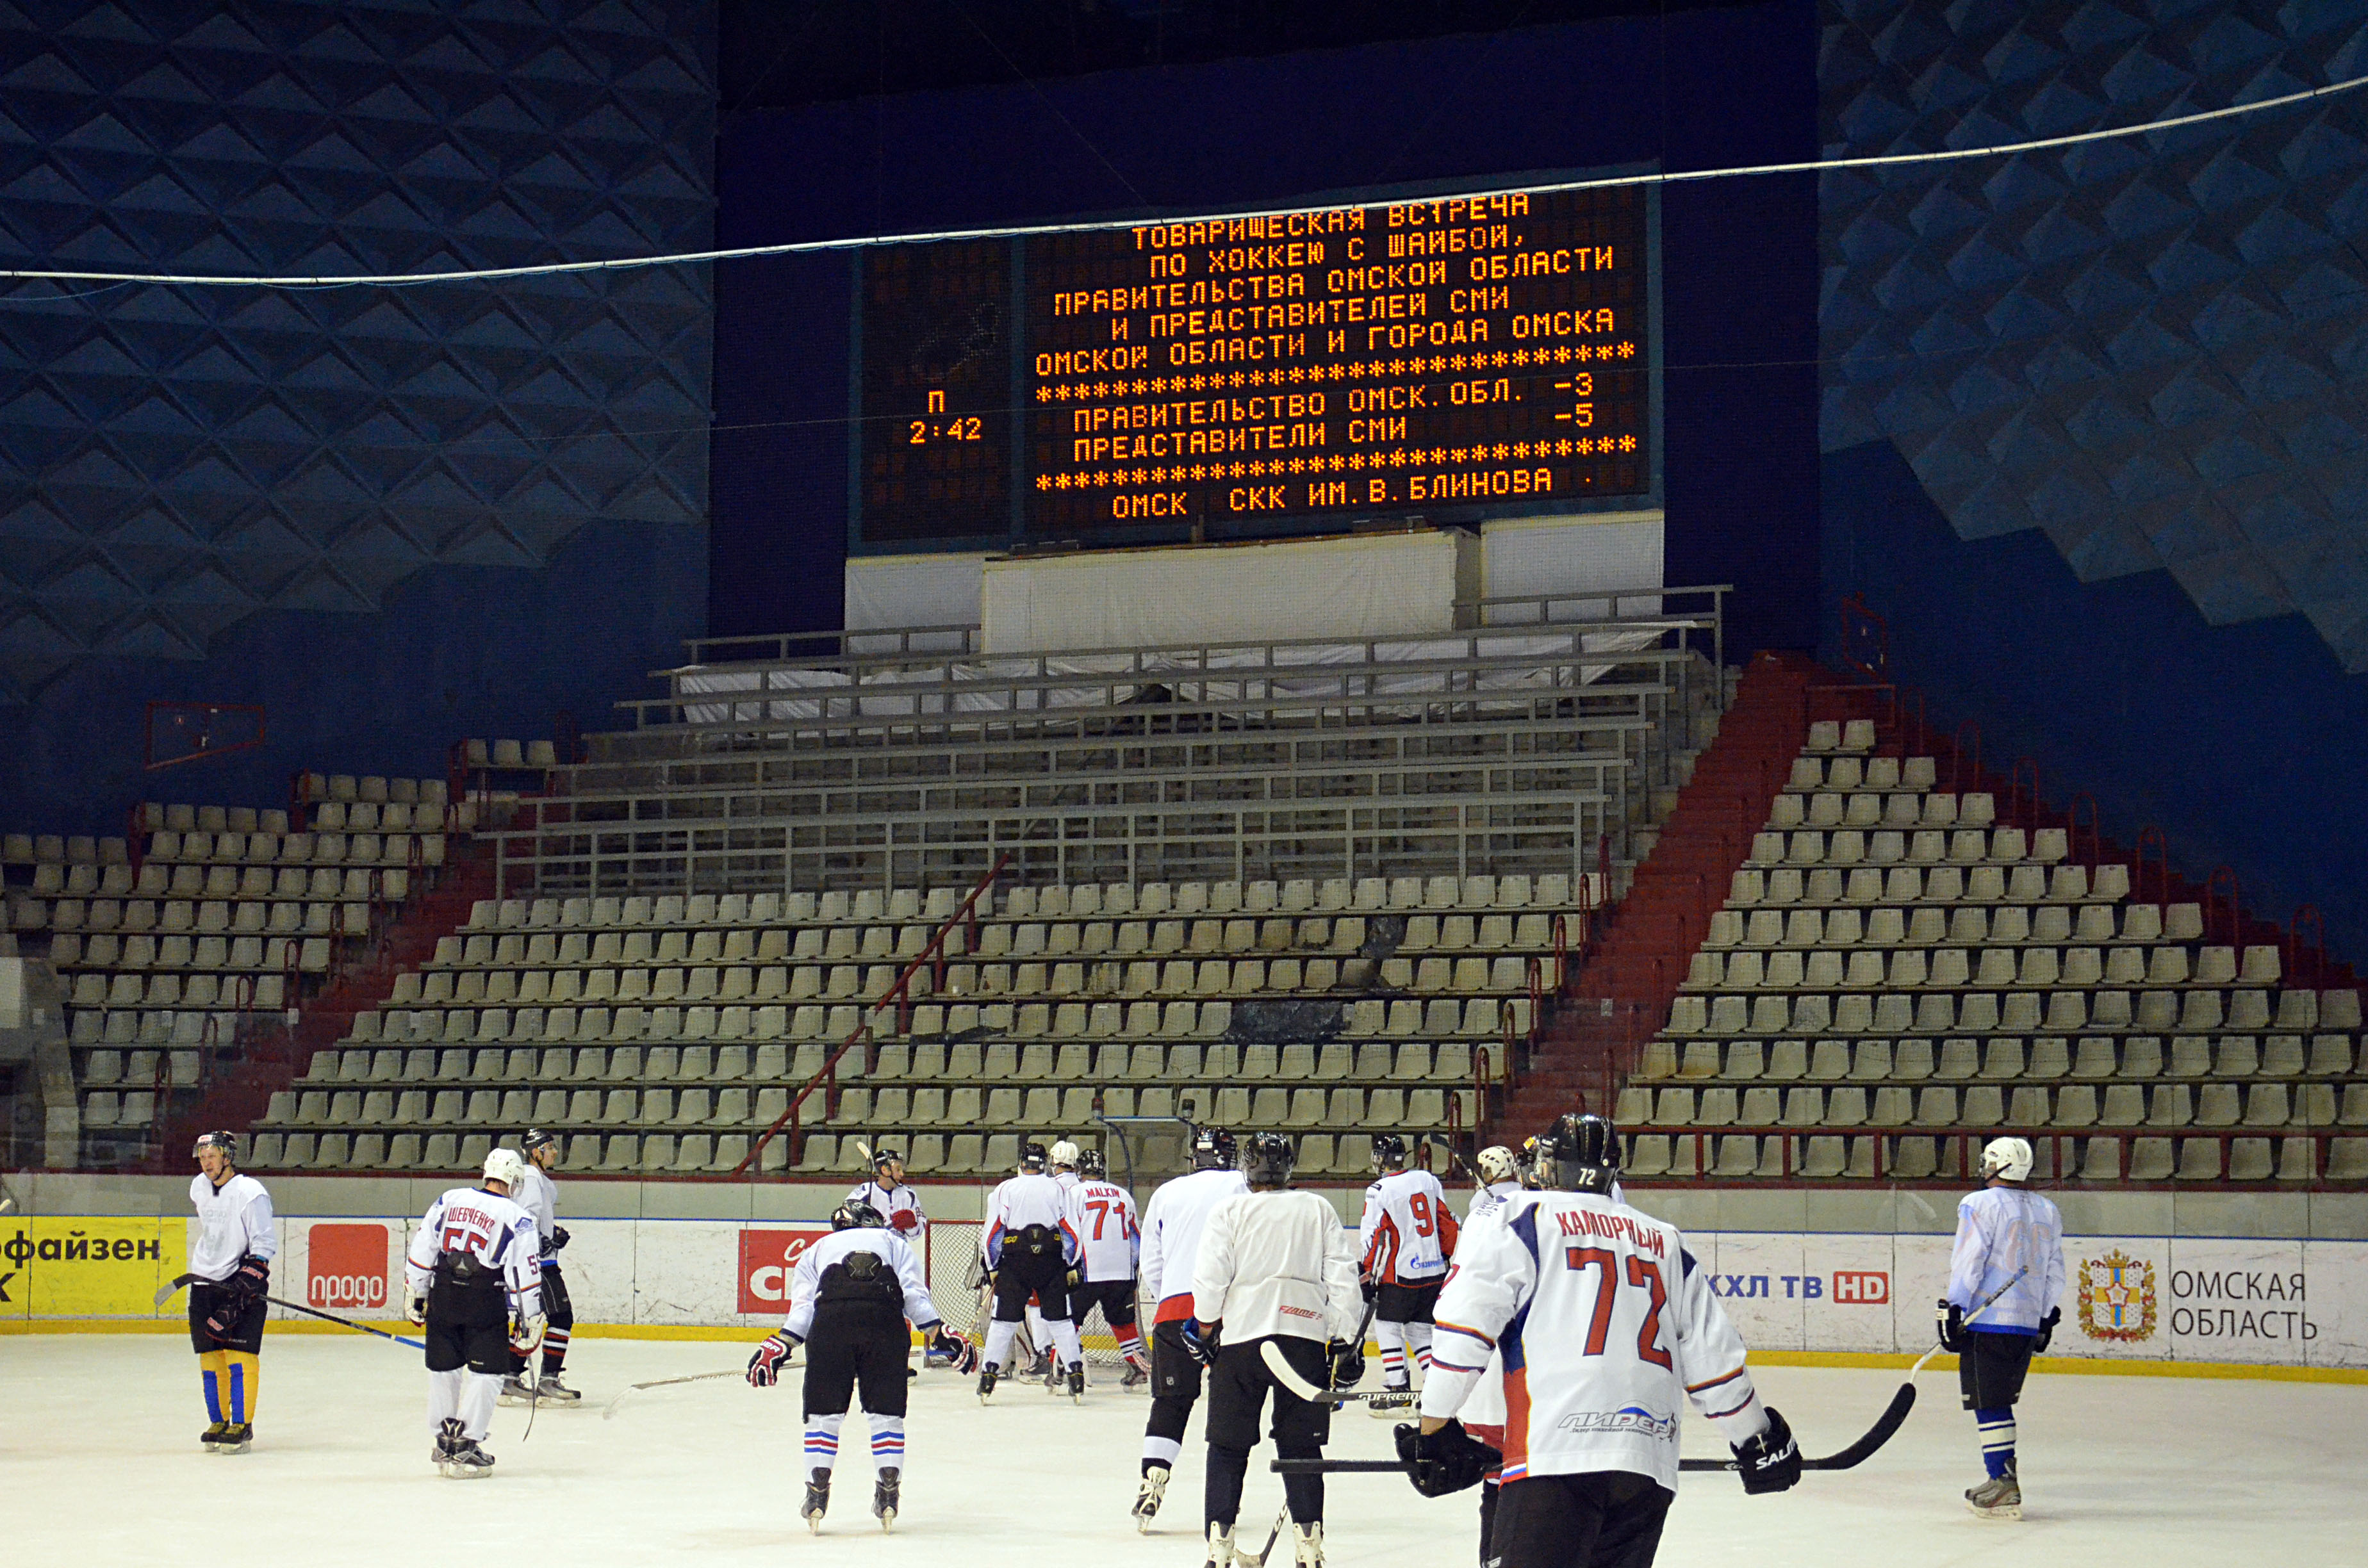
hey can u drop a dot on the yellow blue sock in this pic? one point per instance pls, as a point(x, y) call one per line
point(246, 1385)
point(214, 1366)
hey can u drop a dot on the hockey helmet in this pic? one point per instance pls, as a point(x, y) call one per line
point(2007, 1158)
point(225, 1141)
point(539, 1138)
point(1032, 1158)
point(1389, 1152)
point(507, 1166)
point(1578, 1153)
point(1064, 1156)
point(1496, 1164)
point(1213, 1149)
point(883, 1158)
point(856, 1214)
point(1267, 1158)
point(1091, 1165)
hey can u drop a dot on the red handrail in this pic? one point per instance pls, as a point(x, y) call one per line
point(2019, 810)
point(2293, 943)
point(1960, 779)
point(2224, 876)
point(2072, 831)
point(2151, 834)
point(827, 1078)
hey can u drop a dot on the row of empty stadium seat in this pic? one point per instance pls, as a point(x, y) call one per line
point(1962, 847)
point(962, 1063)
point(1972, 925)
point(2064, 1012)
point(1911, 1157)
point(129, 990)
point(126, 1027)
point(260, 849)
point(1853, 735)
point(119, 889)
point(2096, 1057)
point(218, 952)
point(1905, 809)
point(509, 755)
point(2030, 965)
point(2031, 1106)
point(2026, 883)
point(1371, 894)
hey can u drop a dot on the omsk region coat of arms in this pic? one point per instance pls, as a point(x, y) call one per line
point(2117, 1299)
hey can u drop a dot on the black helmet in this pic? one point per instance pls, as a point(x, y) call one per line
point(226, 1142)
point(1578, 1153)
point(1213, 1149)
point(1091, 1165)
point(1033, 1158)
point(539, 1138)
point(1267, 1158)
point(856, 1214)
point(1389, 1152)
point(883, 1158)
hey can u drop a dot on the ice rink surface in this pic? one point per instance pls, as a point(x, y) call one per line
point(102, 1465)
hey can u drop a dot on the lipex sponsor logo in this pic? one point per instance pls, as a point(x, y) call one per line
point(346, 1266)
point(766, 1259)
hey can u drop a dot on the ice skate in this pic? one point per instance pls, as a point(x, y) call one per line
point(236, 1438)
point(1076, 1382)
point(447, 1436)
point(1043, 1367)
point(986, 1384)
point(1220, 1546)
point(467, 1461)
point(817, 1499)
point(883, 1497)
point(516, 1392)
point(551, 1391)
point(1307, 1545)
point(212, 1435)
point(2000, 1497)
point(1134, 1377)
point(1146, 1501)
point(1390, 1403)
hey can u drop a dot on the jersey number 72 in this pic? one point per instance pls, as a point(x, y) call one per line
point(1643, 1274)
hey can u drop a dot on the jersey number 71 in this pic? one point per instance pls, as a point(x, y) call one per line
point(1645, 1274)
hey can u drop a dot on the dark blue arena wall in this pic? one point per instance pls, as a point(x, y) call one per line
point(1701, 89)
point(395, 517)
point(2097, 420)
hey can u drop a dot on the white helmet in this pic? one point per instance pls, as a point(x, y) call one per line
point(507, 1166)
point(2008, 1157)
point(1496, 1164)
point(1065, 1153)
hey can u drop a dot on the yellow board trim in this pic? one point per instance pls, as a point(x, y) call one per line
point(2077, 1366)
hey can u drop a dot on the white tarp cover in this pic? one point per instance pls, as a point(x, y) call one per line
point(1586, 554)
point(895, 591)
point(1365, 585)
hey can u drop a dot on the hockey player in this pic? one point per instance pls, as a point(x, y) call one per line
point(2009, 1253)
point(1273, 1267)
point(1407, 1234)
point(1062, 1162)
point(888, 1192)
point(1030, 1250)
point(1102, 1213)
point(474, 1277)
point(1606, 1326)
point(231, 1275)
point(1171, 1242)
point(1504, 1177)
point(1501, 1179)
point(851, 1296)
point(539, 1195)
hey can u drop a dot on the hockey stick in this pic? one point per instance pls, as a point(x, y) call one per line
point(1289, 1376)
point(1272, 1536)
point(608, 1411)
point(165, 1293)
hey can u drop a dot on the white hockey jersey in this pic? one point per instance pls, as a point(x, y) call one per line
point(1022, 1202)
point(1277, 1263)
point(805, 1279)
point(1999, 1231)
point(1102, 1213)
point(233, 1219)
point(1605, 1328)
point(1171, 1236)
point(900, 1206)
point(1408, 1232)
point(487, 1227)
point(539, 1195)
point(1490, 1199)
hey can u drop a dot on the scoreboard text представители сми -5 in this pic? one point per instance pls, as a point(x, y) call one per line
point(1223, 373)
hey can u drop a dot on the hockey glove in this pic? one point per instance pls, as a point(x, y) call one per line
point(2046, 1331)
point(1348, 1362)
point(1446, 1461)
point(1366, 1287)
point(1772, 1462)
point(953, 1351)
point(526, 1333)
point(1201, 1340)
point(903, 1219)
point(559, 1237)
point(251, 1278)
point(765, 1366)
point(416, 1310)
point(1075, 1279)
point(1952, 1324)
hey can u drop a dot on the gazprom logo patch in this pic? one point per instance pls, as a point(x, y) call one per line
point(1633, 1418)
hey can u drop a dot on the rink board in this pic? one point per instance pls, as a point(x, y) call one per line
point(2272, 1301)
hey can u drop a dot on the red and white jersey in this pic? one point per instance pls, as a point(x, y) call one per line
point(487, 1227)
point(1022, 1202)
point(900, 1206)
point(1605, 1327)
point(1103, 1215)
point(1171, 1236)
point(1408, 1232)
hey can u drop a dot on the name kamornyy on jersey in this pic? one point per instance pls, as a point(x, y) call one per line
point(1171, 1236)
point(1606, 1327)
point(1103, 1215)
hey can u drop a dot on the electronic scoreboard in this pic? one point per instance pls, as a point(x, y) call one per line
point(1252, 377)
